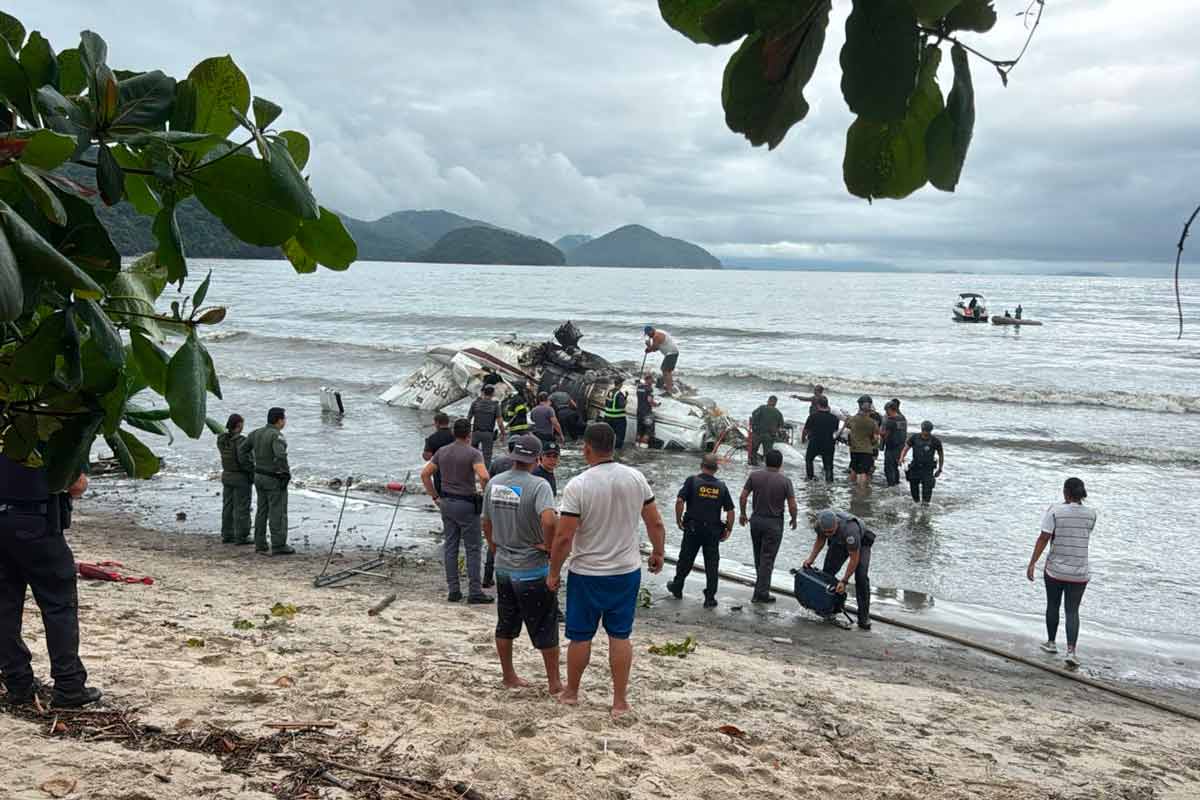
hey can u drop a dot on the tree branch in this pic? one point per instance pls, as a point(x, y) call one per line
point(1178, 257)
point(221, 157)
point(83, 162)
point(1002, 66)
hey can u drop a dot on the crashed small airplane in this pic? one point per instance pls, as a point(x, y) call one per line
point(683, 421)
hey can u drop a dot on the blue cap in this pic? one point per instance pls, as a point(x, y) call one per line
point(827, 520)
point(649, 329)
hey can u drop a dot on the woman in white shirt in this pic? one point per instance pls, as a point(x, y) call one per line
point(1067, 528)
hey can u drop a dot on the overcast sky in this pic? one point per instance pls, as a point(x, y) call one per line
point(576, 116)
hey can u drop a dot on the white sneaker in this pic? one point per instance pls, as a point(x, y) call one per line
point(1072, 660)
point(1049, 647)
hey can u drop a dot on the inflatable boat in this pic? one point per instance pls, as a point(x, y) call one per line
point(1014, 321)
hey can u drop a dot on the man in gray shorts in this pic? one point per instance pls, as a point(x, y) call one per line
point(460, 466)
point(771, 490)
point(519, 521)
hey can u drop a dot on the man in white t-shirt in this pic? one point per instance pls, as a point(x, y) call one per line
point(598, 529)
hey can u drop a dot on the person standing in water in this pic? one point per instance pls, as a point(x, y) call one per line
point(1067, 528)
point(658, 341)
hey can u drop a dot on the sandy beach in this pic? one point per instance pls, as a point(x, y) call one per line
point(750, 713)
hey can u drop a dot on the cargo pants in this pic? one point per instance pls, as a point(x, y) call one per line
point(272, 511)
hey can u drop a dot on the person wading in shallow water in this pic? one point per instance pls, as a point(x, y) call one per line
point(1067, 528)
point(598, 529)
point(237, 479)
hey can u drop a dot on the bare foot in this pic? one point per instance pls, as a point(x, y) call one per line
point(568, 698)
point(515, 683)
point(556, 689)
point(620, 709)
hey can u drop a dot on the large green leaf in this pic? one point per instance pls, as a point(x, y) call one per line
point(137, 188)
point(290, 182)
point(66, 454)
point(930, 11)
point(145, 101)
point(302, 262)
point(99, 376)
point(150, 361)
point(102, 331)
point(327, 241)
point(135, 291)
point(37, 58)
point(71, 79)
point(42, 195)
point(949, 135)
point(93, 57)
point(149, 426)
point(136, 459)
point(972, 15)
point(21, 438)
point(37, 256)
point(46, 149)
point(182, 140)
point(110, 178)
point(687, 17)
point(11, 31)
point(12, 295)
point(84, 239)
point(298, 145)
point(880, 59)
point(14, 86)
point(219, 85)
point(34, 361)
point(265, 112)
point(887, 159)
point(242, 193)
point(211, 382)
point(170, 244)
point(187, 378)
point(763, 88)
point(72, 117)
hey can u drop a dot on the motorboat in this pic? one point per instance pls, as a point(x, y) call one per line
point(454, 372)
point(970, 307)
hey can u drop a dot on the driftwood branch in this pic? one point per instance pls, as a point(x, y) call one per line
point(1179, 257)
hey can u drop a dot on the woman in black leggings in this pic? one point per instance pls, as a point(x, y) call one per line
point(1067, 528)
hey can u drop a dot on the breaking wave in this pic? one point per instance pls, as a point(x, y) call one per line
point(287, 342)
point(970, 392)
point(308, 383)
point(1087, 451)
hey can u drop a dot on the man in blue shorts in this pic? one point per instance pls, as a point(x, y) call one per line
point(519, 522)
point(598, 529)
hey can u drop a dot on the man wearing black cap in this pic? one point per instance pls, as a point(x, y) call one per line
point(849, 540)
point(864, 439)
point(484, 415)
point(547, 464)
point(698, 508)
point(519, 521)
point(268, 451)
point(460, 466)
point(928, 459)
point(895, 433)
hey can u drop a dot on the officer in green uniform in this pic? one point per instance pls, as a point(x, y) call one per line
point(237, 475)
point(766, 424)
point(271, 476)
point(614, 411)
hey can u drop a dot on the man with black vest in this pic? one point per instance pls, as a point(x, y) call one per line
point(34, 554)
point(484, 415)
point(848, 540)
point(698, 508)
point(895, 433)
point(821, 431)
point(614, 411)
point(928, 459)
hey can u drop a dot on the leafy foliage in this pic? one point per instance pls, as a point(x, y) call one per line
point(676, 649)
point(904, 134)
point(82, 338)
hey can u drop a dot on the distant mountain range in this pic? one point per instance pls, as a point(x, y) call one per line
point(415, 236)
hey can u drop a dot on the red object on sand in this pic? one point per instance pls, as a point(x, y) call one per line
point(96, 572)
point(397, 486)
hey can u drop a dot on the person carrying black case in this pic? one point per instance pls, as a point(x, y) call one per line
point(849, 541)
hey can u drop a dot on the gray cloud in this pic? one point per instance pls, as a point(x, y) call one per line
point(563, 116)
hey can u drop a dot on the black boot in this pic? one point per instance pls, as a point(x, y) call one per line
point(75, 699)
point(676, 589)
point(710, 601)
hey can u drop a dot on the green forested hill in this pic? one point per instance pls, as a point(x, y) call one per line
point(638, 246)
point(485, 245)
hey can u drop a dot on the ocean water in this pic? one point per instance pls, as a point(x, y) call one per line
point(1102, 391)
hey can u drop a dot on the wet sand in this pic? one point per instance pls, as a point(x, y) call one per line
point(832, 712)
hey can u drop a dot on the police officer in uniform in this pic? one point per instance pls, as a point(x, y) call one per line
point(268, 450)
point(848, 540)
point(34, 553)
point(895, 432)
point(614, 411)
point(766, 425)
point(237, 476)
point(923, 474)
point(698, 508)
